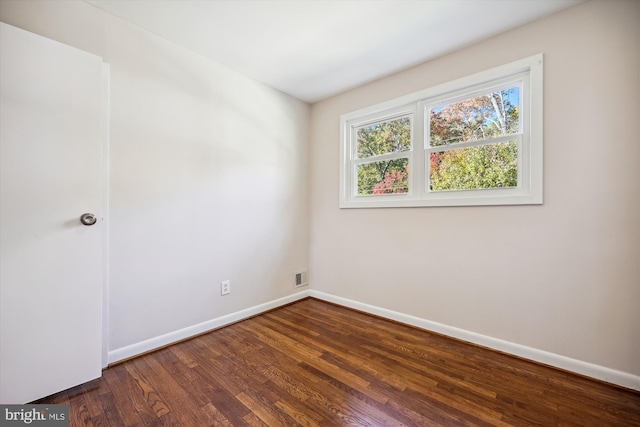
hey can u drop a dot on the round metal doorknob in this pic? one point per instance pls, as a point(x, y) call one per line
point(88, 219)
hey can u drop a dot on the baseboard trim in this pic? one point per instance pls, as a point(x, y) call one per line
point(602, 373)
point(623, 379)
point(155, 343)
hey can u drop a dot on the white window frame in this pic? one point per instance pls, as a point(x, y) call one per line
point(389, 114)
point(526, 72)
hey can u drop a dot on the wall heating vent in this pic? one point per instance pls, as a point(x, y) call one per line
point(301, 278)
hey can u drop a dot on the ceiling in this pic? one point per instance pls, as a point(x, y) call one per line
point(313, 49)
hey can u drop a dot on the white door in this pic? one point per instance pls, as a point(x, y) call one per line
point(50, 174)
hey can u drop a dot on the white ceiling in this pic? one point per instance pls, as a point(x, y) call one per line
point(313, 49)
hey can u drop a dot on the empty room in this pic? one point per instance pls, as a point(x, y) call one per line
point(320, 212)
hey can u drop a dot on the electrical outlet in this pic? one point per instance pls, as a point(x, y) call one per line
point(225, 287)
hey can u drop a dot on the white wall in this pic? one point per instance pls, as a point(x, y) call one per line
point(563, 277)
point(208, 176)
point(209, 182)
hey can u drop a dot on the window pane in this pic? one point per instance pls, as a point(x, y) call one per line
point(486, 166)
point(481, 117)
point(384, 137)
point(387, 177)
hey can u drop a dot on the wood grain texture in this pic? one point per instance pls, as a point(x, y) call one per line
point(317, 364)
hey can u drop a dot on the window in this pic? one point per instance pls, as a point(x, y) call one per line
point(474, 141)
point(382, 152)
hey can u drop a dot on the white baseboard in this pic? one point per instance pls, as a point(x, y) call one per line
point(602, 373)
point(623, 379)
point(191, 331)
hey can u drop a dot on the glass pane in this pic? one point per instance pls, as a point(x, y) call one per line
point(384, 137)
point(387, 177)
point(481, 117)
point(472, 168)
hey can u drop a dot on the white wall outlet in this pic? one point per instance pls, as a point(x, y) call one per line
point(225, 287)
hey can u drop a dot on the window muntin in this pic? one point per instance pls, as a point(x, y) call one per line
point(490, 154)
point(474, 140)
point(382, 155)
point(476, 117)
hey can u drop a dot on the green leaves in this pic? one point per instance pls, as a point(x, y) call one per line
point(384, 137)
point(485, 166)
point(390, 176)
point(491, 165)
point(387, 176)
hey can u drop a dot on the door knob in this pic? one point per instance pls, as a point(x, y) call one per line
point(88, 219)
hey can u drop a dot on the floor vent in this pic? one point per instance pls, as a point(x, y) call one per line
point(301, 278)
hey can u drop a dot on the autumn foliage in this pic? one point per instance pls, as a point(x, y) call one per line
point(394, 182)
point(490, 165)
point(461, 151)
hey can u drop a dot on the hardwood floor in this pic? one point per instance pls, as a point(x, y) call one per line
point(316, 364)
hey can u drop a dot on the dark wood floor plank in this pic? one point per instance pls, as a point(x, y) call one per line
point(359, 402)
point(178, 399)
point(316, 364)
point(216, 418)
point(221, 400)
point(133, 410)
point(144, 393)
point(110, 415)
point(368, 370)
point(78, 411)
point(304, 417)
